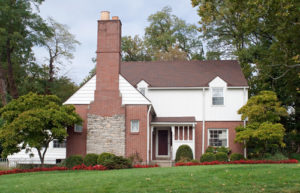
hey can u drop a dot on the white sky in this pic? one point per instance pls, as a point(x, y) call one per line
point(81, 17)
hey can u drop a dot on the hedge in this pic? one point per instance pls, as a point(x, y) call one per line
point(184, 152)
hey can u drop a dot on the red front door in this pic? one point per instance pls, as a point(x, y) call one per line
point(162, 142)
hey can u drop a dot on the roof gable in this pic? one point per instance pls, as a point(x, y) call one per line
point(130, 95)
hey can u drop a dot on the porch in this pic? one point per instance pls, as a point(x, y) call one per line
point(168, 134)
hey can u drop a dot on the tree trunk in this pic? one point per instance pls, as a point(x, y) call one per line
point(11, 80)
point(3, 91)
point(51, 75)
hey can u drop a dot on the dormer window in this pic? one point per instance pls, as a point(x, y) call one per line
point(142, 90)
point(218, 96)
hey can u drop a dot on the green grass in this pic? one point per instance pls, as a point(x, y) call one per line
point(218, 178)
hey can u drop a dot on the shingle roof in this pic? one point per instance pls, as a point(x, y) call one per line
point(183, 73)
point(174, 119)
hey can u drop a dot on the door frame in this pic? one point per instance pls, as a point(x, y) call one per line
point(156, 142)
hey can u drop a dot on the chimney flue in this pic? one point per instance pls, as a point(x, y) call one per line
point(105, 15)
point(115, 18)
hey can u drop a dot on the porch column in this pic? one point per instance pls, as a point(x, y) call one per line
point(173, 137)
point(151, 141)
point(194, 143)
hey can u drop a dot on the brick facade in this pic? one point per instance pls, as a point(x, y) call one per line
point(136, 142)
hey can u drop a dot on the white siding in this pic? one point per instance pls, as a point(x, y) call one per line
point(50, 158)
point(130, 95)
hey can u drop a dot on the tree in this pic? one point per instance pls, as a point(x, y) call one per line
point(264, 36)
point(133, 49)
point(33, 121)
point(20, 30)
point(60, 45)
point(167, 32)
point(263, 133)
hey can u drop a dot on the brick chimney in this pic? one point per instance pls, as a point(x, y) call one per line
point(107, 101)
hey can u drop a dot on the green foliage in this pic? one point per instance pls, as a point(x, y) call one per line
point(168, 34)
point(295, 156)
point(134, 49)
point(275, 157)
point(103, 157)
point(221, 156)
point(135, 158)
point(236, 157)
point(262, 133)
point(211, 149)
point(184, 152)
point(90, 159)
point(112, 161)
point(195, 161)
point(74, 160)
point(208, 157)
point(34, 121)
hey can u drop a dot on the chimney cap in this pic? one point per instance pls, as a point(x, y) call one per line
point(115, 18)
point(105, 15)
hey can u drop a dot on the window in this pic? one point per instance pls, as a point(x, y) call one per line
point(77, 128)
point(135, 126)
point(57, 144)
point(142, 90)
point(217, 96)
point(218, 137)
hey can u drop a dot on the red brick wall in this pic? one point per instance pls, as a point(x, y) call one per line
point(136, 142)
point(76, 142)
point(230, 125)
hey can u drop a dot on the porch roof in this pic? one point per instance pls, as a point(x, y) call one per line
point(173, 119)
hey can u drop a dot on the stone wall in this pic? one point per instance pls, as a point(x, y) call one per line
point(106, 134)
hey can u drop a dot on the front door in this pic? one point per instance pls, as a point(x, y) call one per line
point(163, 147)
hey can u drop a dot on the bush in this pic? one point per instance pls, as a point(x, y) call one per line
point(74, 160)
point(111, 161)
point(275, 157)
point(184, 152)
point(195, 161)
point(211, 149)
point(90, 159)
point(208, 157)
point(236, 157)
point(221, 156)
point(103, 157)
point(135, 158)
point(295, 156)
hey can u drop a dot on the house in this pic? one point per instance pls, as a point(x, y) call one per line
point(151, 108)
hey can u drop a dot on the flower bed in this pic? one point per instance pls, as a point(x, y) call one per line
point(56, 168)
point(145, 166)
point(291, 161)
point(16, 171)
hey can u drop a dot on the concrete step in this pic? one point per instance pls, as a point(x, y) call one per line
point(163, 163)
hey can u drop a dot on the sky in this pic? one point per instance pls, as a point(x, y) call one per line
point(81, 17)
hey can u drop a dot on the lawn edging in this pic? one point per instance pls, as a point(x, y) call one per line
point(291, 161)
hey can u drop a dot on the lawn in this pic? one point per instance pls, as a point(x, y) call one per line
point(217, 178)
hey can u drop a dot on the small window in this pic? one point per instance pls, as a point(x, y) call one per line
point(77, 128)
point(142, 90)
point(218, 137)
point(57, 144)
point(217, 96)
point(135, 126)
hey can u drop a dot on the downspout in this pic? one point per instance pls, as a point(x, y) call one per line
point(245, 148)
point(203, 119)
point(148, 134)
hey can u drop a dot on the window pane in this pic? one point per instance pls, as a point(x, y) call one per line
point(217, 92)
point(78, 128)
point(218, 100)
point(56, 144)
point(134, 125)
point(142, 90)
point(217, 137)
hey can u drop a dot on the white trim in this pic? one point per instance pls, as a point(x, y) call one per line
point(151, 138)
point(177, 88)
point(203, 121)
point(227, 133)
point(156, 143)
point(174, 123)
point(148, 135)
